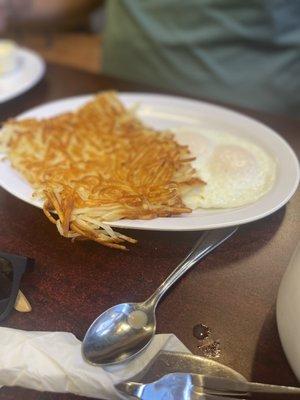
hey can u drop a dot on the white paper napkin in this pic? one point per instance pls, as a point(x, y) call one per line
point(52, 361)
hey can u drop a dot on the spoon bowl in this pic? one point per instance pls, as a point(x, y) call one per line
point(119, 333)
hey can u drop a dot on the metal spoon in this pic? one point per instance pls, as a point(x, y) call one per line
point(125, 329)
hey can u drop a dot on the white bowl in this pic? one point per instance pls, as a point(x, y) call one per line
point(288, 312)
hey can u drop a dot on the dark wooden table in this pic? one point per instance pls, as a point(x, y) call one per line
point(233, 290)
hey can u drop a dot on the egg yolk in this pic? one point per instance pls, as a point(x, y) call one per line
point(233, 161)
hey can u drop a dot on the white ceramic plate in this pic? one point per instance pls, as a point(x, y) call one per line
point(28, 72)
point(174, 112)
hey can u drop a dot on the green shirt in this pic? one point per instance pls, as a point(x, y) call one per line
point(243, 52)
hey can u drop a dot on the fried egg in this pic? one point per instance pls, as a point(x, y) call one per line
point(235, 171)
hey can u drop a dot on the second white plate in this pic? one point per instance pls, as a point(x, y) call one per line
point(169, 112)
point(29, 71)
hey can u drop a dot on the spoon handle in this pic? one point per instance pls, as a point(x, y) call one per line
point(207, 243)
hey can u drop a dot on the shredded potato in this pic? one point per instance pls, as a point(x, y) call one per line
point(99, 164)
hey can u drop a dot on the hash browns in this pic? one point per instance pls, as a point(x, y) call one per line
point(99, 164)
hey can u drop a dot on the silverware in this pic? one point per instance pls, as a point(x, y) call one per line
point(167, 362)
point(126, 329)
point(186, 386)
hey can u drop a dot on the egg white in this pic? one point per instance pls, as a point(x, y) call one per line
point(235, 171)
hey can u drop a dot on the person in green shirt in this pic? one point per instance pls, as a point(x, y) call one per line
point(240, 52)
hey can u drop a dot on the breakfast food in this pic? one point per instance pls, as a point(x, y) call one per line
point(236, 171)
point(100, 164)
point(8, 56)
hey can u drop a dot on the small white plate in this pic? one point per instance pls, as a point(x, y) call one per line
point(163, 112)
point(28, 72)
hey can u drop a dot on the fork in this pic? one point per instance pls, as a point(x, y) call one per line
point(184, 386)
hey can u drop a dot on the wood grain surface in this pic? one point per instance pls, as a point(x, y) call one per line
point(233, 290)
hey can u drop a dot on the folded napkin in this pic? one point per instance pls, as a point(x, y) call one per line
point(52, 361)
